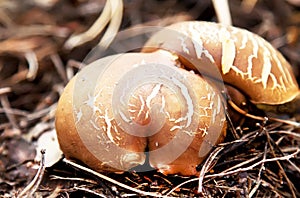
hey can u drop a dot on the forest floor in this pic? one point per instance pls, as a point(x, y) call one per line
point(258, 158)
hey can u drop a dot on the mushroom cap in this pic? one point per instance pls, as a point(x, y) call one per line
point(244, 60)
point(81, 133)
point(116, 107)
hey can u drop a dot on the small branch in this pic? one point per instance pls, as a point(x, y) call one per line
point(58, 64)
point(287, 157)
point(290, 184)
point(34, 184)
point(7, 108)
point(258, 180)
point(206, 166)
point(90, 191)
point(111, 180)
point(33, 65)
point(241, 111)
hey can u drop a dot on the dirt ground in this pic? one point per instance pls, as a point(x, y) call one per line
point(258, 158)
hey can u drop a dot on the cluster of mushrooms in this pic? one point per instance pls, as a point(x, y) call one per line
point(164, 106)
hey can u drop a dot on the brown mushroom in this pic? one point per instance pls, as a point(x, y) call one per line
point(118, 106)
point(244, 60)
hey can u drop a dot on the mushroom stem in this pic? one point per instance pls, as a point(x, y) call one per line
point(289, 107)
point(241, 111)
point(112, 12)
point(222, 11)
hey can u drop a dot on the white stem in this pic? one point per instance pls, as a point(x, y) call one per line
point(114, 25)
point(222, 11)
point(94, 30)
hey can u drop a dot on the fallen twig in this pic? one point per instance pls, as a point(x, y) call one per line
point(31, 188)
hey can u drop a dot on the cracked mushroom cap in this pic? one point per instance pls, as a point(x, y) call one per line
point(117, 108)
point(244, 60)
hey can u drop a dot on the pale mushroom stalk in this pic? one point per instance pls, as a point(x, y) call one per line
point(222, 11)
point(109, 13)
point(114, 25)
point(290, 107)
point(244, 113)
